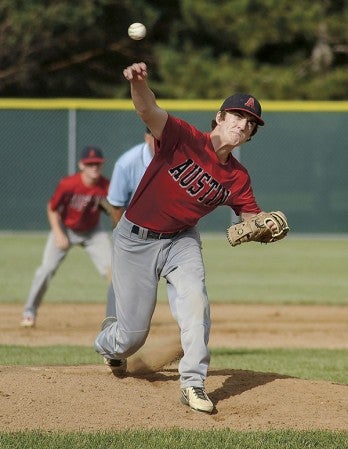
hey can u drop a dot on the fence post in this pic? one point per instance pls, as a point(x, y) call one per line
point(72, 141)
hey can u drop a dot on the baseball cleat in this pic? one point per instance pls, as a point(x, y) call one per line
point(117, 366)
point(197, 399)
point(28, 321)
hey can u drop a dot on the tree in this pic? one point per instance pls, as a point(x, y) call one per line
point(276, 49)
point(64, 48)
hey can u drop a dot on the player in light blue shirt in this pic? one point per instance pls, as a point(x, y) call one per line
point(127, 173)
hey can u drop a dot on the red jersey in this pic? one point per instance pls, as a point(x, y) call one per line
point(185, 181)
point(78, 203)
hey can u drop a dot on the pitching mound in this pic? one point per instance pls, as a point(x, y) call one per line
point(90, 398)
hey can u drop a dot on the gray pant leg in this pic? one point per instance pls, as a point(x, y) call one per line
point(111, 302)
point(98, 247)
point(135, 277)
point(52, 258)
point(135, 281)
point(190, 307)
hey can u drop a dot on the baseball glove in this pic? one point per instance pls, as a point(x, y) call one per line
point(255, 229)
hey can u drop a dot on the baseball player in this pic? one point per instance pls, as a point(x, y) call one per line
point(74, 216)
point(127, 173)
point(191, 174)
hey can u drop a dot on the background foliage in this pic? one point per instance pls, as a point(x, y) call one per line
point(196, 48)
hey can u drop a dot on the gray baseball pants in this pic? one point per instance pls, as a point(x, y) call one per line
point(137, 265)
point(97, 245)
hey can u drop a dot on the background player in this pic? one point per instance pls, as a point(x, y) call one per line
point(190, 175)
point(127, 173)
point(74, 216)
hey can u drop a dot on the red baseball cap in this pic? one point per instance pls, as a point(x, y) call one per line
point(244, 102)
point(92, 155)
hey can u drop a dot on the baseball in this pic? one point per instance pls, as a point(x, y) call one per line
point(137, 31)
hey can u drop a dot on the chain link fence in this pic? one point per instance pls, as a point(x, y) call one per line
point(297, 162)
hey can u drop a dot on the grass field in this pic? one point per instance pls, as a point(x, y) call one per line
point(297, 270)
point(292, 271)
point(317, 364)
point(176, 439)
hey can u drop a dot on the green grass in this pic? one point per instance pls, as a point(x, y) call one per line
point(297, 270)
point(178, 439)
point(48, 355)
point(75, 281)
point(293, 271)
point(319, 364)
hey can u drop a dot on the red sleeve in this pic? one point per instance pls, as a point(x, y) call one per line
point(59, 196)
point(174, 131)
point(243, 199)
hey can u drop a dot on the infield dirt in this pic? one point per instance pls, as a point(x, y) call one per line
point(90, 398)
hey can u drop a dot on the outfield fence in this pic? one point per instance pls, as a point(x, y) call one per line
point(297, 162)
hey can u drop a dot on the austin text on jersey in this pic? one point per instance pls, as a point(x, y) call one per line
point(199, 183)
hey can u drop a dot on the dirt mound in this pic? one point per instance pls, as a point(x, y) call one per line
point(90, 398)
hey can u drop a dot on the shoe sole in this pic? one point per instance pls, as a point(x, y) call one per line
point(117, 371)
point(27, 324)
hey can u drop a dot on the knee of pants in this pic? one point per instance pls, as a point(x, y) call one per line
point(123, 345)
point(196, 292)
point(130, 342)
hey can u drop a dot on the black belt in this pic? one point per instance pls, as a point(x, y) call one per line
point(147, 234)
